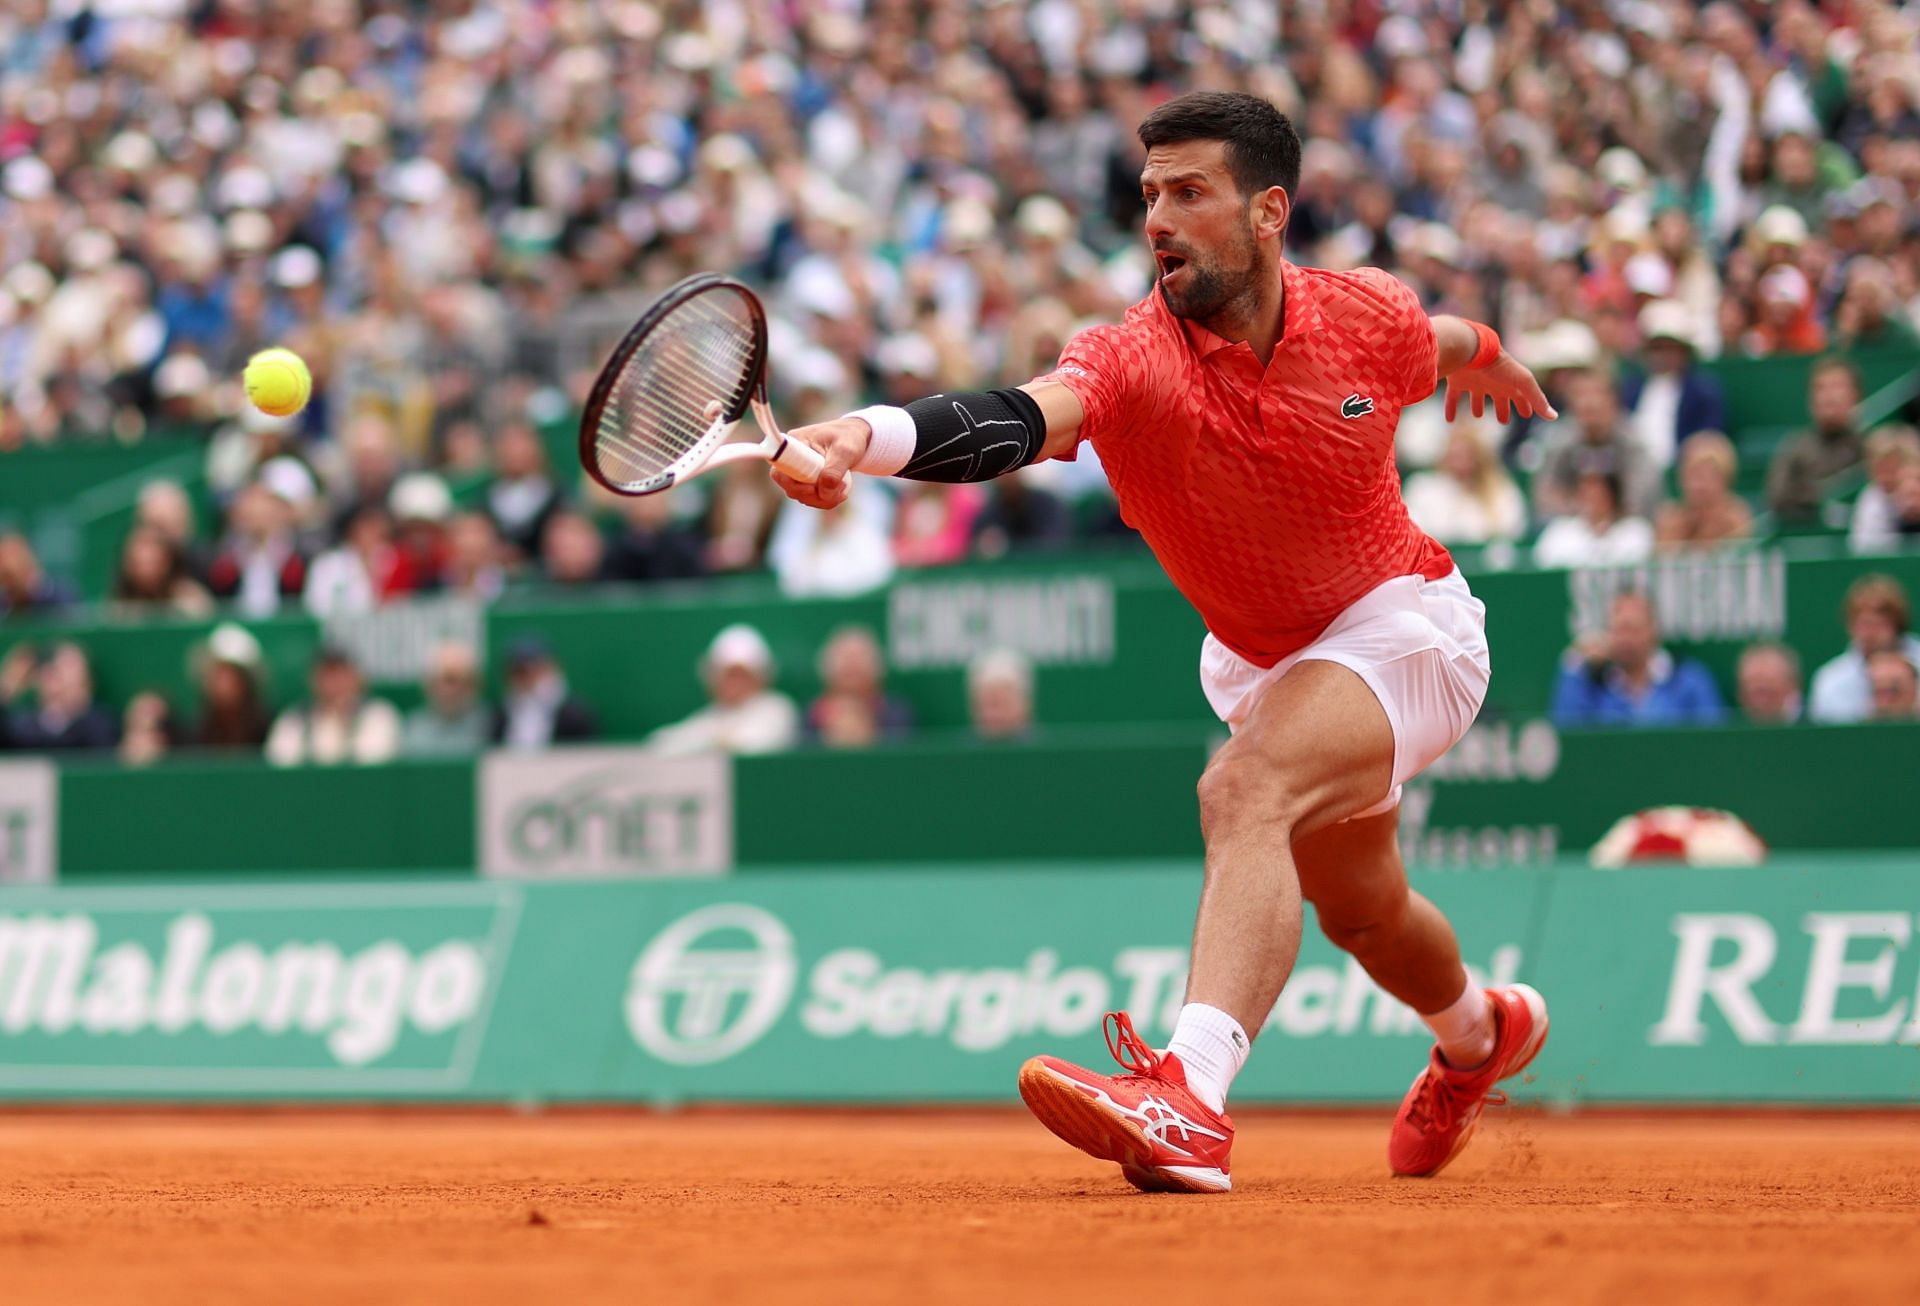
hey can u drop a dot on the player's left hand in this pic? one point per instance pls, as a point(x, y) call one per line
point(1504, 385)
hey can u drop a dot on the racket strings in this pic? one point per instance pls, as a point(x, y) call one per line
point(695, 366)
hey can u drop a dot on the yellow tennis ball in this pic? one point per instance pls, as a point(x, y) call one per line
point(278, 382)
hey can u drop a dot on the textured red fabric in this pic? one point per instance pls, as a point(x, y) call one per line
point(1269, 495)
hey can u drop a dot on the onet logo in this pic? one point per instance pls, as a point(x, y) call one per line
point(1355, 406)
point(692, 1006)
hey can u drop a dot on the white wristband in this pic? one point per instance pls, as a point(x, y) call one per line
point(891, 447)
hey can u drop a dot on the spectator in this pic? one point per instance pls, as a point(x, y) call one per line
point(260, 562)
point(1021, 515)
point(653, 544)
point(539, 711)
point(743, 505)
point(842, 552)
point(1675, 397)
point(522, 496)
point(744, 713)
point(1890, 452)
point(1000, 695)
point(363, 571)
point(1878, 619)
point(854, 709)
point(1468, 498)
point(339, 724)
point(474, 558)
point(233, 713)
point(1769, 684)
point(1597, 536)
point(64, 717)
point(1894, 679)
point(1808, 466)
point(1598, 439)
point(1709, 513)
point(572, 551)
point(454, 721)
point(153, 578)
point(421, 506)
point(372, 466)
point(933, 524)
point(1624, 678)
point(26, 590)
point(147, 732)
point(164, 507)
point(1868, 315)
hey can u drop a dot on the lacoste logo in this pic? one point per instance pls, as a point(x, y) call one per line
point(1355, 406)
point(1239, 1040)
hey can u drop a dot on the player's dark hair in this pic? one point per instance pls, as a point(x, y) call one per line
point(1263, 149)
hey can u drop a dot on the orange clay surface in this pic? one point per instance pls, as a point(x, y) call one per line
point(978, 1207)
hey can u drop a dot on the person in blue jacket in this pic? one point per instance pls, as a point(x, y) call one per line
point(1624, 677)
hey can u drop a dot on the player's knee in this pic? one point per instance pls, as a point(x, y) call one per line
point(1241, 788)
point(1360, 928)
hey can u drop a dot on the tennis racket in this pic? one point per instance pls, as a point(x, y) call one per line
point(667, 400)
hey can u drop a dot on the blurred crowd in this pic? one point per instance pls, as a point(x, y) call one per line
point(450, 208)
point(48, 704)
point(1624, 676)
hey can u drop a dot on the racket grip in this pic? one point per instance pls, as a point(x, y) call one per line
point(800, 461)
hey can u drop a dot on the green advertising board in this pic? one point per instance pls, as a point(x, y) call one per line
point(1789, 983)
point(1512, 792)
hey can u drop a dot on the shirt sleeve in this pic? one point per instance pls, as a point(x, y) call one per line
point(1410, 333)
point(1107, 368)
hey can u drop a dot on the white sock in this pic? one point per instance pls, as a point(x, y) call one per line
point(1465, 1029)
point(1212, 1047)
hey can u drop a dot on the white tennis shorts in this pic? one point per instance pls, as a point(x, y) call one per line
point(1421, 646)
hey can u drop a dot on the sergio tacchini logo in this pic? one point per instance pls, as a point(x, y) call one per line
point(680, 996)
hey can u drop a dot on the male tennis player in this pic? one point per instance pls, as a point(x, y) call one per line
point(1244, 412)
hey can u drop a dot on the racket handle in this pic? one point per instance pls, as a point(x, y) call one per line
point(800, 461)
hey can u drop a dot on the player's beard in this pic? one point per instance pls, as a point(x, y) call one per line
point(1216, 289)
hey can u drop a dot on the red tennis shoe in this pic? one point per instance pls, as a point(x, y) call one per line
point(1443, 1107)
point(1165, 1139)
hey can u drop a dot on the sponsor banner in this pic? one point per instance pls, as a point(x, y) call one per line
point(29, 822)
point(915, 986)
point(603, 812)
point(359, 990)
point(393, 644)
point(1064, 620)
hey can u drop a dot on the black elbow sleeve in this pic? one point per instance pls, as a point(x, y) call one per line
point(974, 436)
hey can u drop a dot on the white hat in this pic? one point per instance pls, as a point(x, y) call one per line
point(1647, 273)
point(908, 354)
point(1668, 319)
point(814, 369)
point(295, 266)
point(244, 187)
point(1560, 346)
point(1044, 218)
point(739, 645)
point(1621, 169)
point(420, 496)
point(1780, 225)
point(181, 376)
point(28, 178)
point(289, 479)
point(818, 287)
point(232, 643)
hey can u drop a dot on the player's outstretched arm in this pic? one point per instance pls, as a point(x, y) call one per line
point(1478, 369)
point(974, 436)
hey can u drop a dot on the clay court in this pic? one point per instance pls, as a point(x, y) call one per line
point(932, 1207)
